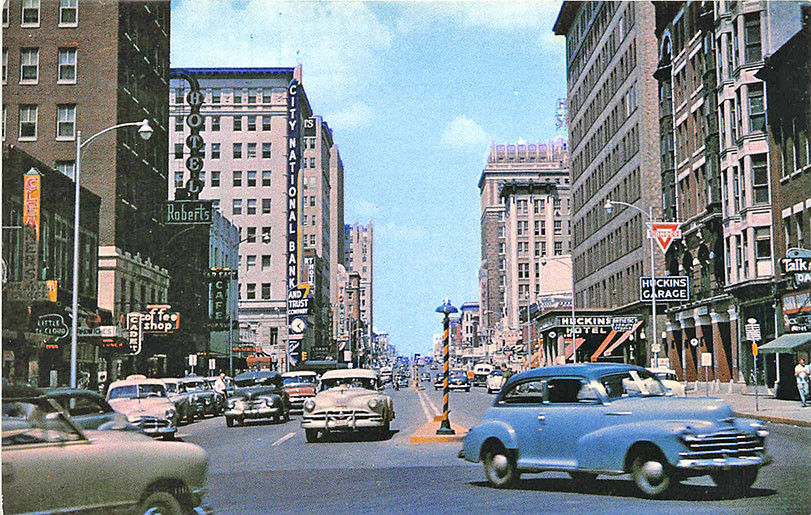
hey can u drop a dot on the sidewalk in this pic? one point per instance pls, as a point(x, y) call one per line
point(742, 400)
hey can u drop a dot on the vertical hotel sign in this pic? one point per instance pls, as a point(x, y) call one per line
point(296, 323)
point(32, 189)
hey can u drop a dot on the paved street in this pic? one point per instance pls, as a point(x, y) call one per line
point(268, 468)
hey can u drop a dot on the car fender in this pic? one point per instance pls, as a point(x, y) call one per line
point(490, 429)
point(606, 448)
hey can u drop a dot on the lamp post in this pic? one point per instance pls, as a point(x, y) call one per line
point(446, 309)
point(609, 206)
point(145, 131)
point(574, 337)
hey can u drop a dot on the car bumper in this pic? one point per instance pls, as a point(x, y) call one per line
point(253, 413)
point(343, 422)
point(159, 431)
point(458, 386)
point(715, 464)
point(297, 403)
point(198, 506)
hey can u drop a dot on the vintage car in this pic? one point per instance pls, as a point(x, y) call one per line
point(439, 381)
point(299, 386)
point(202, 397)
point(146, 405)
point(495, 381)
point(51, 465)
point(89, 409)
point(257, 395)
point(613, 419)
point(348, 400)
point(458, 380)
point(481, 372)
point(669, 379)
point(177, 393)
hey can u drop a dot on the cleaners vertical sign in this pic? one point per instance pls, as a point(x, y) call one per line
point(296, 317)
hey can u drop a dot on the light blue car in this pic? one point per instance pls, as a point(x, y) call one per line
point(613, 419)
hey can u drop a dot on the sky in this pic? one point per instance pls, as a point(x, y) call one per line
point(415, 93)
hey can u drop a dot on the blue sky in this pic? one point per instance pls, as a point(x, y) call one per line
point(415, 93)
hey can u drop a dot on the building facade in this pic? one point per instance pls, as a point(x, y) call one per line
point(359, 258)
point(223, 252)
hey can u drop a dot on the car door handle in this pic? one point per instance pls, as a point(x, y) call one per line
point(618, 413)
point(542, 419)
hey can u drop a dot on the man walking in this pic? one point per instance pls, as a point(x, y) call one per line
point(801, 373)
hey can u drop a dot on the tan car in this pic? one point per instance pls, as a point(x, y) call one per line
point(348, 400)
point(51, 465)
point(146, 404)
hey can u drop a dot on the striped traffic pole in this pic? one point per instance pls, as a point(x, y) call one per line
point(445, 427)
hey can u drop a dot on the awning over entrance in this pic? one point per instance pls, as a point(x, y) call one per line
point(787, 343)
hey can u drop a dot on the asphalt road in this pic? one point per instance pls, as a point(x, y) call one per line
point(269, 468)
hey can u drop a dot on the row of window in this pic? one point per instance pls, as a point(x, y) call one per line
point(64, 124)
point(735, 177)
point(30, 63)
point(251, 123)
point(250, 206)
point(236, 150)
point(625, 238)
point(250, 291)
point(617, 290)
point(736, 250)
point(30, 13)
point(218, 95)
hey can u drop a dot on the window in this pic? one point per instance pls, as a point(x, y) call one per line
point(67, 66)
point(722, 126)
point(65, 121)
point(5, 65)
point(29, 65)
point(558, 248)
point(215, 123)
point(251, 206)
point(760, 179)
point(266, 262)
point(215, 99)
point(178, 124)
point(30, 13)
point(237, 178)
point(179, 96)
point(251, 178)
point(215, 151)
point(251, 150)
point(529, 392)
point(251, 96)
point(236, 207)
point(178, 179)
point(28, 122)
point(66, 168)
point(312, 244)
point(68, 12)
point(266, 123)
point(265, 206)
point(265, 178)
point(763, 244)
point(237, 96)
point(251, 235)
point(265, 234)
point(558, 228)
point(312, 201)
point(5, 13)
point(265, 96)
point(252, 123)
point(312, 162)
point(265, 150)
point(237, 123)
point(266, 290)
point(178, 150)
point(757, 114)
point(523, 228)
point(543, 249)
point(237, 150)
point(523, 270)
point(215, 179)
point(751, 29)
point(250, 290)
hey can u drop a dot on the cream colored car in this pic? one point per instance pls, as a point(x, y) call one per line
point(348, 400)
point(50, 465)
point(146, 404)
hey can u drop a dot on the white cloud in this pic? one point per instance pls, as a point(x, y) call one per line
point(398, 232)
point(362, 210)
point(358, 114)
point(464, 134)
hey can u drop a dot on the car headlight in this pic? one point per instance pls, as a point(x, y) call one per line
point(687, 434)
point(133, 419)
point(269, 402)
point(193, 398)
point(170, 413)
point(373, 404)
point(309, 405)
point(759, 429)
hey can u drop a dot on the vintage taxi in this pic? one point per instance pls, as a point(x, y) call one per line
point(146, 404)
point(257, 395)
point(613, 419)
point(348, 400)
point(300, 386)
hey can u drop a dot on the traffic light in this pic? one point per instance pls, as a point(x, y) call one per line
point(303, 356)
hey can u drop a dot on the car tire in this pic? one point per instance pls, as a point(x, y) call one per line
point(189, 417)
point(467, 389)
point(169, 437)
point(384, 431)
point(287, 416)
point(229, 421)
point(499, 467)
point(652, 474)
point(311, 435)
point(735, 482)
point(583, 477)
point(161, 502)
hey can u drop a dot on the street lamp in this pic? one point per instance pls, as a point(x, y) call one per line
point(446, 309)
point(574, 337)
point(145, 131)
point(609, 206)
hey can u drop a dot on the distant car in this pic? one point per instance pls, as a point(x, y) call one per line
point(669, 379)
point(348, 400)
point(89, 409)
point(458, 380)
point(202, 397)
point(481, 372)
point(402, 381)
point(51, 465)
point(613, 419)
point(495, 381)
point(300, 386)
point(439, 381)
point(177, 393)
point(145, 403)
point(425, 377)
point(257, 395)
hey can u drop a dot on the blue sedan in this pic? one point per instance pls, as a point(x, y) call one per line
point(613, 419)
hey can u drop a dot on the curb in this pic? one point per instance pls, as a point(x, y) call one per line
point(427, 433)
point(776, 420)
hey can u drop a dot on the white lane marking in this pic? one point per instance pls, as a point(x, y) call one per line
point(433, 406)
point(283, 439)
point(420, 396)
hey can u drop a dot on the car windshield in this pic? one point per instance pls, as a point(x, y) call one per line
point(306, 380)
point(349, 382)
point(243, 382)
point(496, 372)
point(633, 383)
point(171, 387)
point(137, 391)
point(35, 421)
point(199, 384)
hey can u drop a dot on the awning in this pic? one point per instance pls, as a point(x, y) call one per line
point(788, 343)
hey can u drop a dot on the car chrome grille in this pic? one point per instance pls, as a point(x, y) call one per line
point(343, 414)
point(154, 423)
point(723, 444)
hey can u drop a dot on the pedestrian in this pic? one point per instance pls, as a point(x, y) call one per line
point(801, 373)
point(506, 372)
point(220, 386)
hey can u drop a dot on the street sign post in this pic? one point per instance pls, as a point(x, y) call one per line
point(706, 363)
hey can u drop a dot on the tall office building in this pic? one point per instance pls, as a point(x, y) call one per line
point(610, 60)
point(525, 236)
point(359, 258)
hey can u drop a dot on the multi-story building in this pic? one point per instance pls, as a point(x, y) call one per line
point(359, 258)
point(610, 60)
point(224, 253)
point(71, 67)
point(337, 240)
point(246, 114)
point(472, 350)
point(524, 200)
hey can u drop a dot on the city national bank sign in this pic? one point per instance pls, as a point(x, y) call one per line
point(298, 303)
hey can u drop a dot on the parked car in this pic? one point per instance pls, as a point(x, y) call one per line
point(221, 397)
point(52, 465)
point(146, 405)
point(402, 381)
point(439, 381)
point(669, 379)
point(348, 400)
point(257, 395)
point(481, 372)
point(425, 377)
point(202, 397)
point(458, 380)
point(613, 419)
point(495, 381)
point(89, 409)
point(177, 393)
point(385, 374)
point(299, 386)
